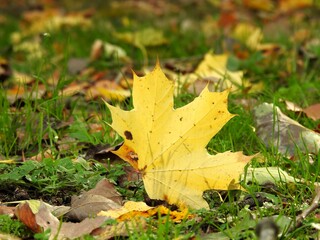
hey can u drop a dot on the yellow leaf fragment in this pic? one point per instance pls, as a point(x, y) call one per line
point(126, 208)
point(167, 145)
point(212, 71)
point(249, 35)
point(132, 209)
point(216, 66)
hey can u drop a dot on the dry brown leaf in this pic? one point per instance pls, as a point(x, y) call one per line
point(38, 218)
point(40, 156)
point(313, 111)
point(101, 198)
point(25, 214)
point(283, 133)
point(5, 210)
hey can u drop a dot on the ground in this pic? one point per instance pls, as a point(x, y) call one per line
point(59, 62)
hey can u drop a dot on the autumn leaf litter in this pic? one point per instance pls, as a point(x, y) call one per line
point(164, 158)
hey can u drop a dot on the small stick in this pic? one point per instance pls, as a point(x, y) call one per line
point(314, 205)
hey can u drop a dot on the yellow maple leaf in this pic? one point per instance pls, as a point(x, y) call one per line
point(167, 145)
point(216, 66)
point(213, 72)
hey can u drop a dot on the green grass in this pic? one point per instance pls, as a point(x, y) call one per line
point(33, 125)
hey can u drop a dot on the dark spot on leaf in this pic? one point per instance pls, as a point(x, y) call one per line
point(165, 197)
point(181, 118)
point(128, 135)
point(132, 156)
point(143, 170)
point(212, 102)
point(215, 118)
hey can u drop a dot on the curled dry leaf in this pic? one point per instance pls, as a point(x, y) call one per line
point(25, 214)
point(39, 218)
point(281, 132)
point(102, 198)
point(313, 111)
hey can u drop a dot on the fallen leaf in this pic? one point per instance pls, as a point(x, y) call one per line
point(26, 215)
point(167, 145)
point(76, 65)
point(291, 106)
point(66, 230)
point(248, 34)
point(146, 37)
point(5, 210)
point(290, 5)
point(313, 111)
point(74, 88)
point(40, 156)
point(283, 133)
point(4, 236)
point(126, 208)
point(132, 210)
point(108, 90)
point(5, 69)
point(101, 198)
point(268, 175)
point(34, 206)
point(50, 20)
point(39, 218)
point(100, 48)
point(120, 229)
point(212, 71)
point(264, 5)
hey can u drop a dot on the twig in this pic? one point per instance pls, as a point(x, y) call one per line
point(314, 205)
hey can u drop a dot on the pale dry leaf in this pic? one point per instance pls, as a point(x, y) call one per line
point(66, 230)
point(120, 229)
point(283, 133)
